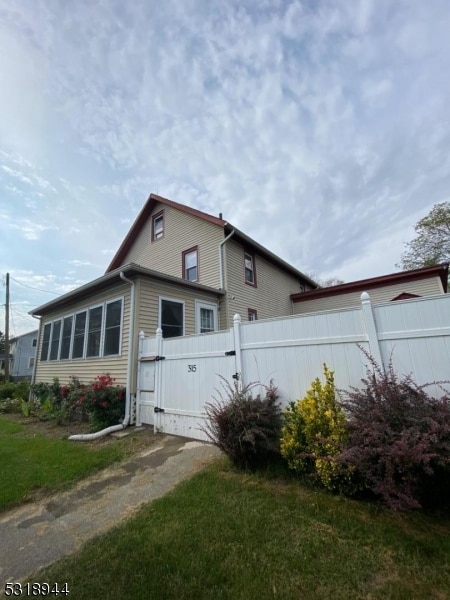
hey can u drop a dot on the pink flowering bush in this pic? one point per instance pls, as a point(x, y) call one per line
point(104, 402)
point(101, 401)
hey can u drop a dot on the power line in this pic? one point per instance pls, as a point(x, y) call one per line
point(34, 288)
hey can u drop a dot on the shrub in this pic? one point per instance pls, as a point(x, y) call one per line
point(104, 402)
point(245, 428)
point(21, 389)
point(313, 436)
point(11, 405)
point(399, 439)
point(52, 400)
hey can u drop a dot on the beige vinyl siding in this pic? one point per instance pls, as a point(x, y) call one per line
point(86, 369)
point(423, 287)
point(271, 296)
point(148, 306)
point(181, 232)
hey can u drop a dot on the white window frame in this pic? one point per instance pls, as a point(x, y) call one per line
point(199, 304)
point(249, 255)
point(100, 347)
point(178, 301)
point(73, 316)
point(72, 340)
point(121, 299)
point(50, 359)
point(157, 235)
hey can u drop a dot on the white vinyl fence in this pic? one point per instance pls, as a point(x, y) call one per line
point(177, 376)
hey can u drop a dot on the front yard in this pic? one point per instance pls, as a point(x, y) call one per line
point(36, 460)
point(228, 535)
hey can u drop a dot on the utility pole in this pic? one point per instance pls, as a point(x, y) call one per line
point(7, 330)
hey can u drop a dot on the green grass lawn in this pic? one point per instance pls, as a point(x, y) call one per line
point(31, 462)
point(226, 535)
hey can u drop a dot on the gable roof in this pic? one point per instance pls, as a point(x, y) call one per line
point(142, 217)
point(147, 209)
point(130, 270)
point(363, 285)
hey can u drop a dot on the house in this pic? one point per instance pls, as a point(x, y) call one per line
point(23, 351)
point(3, 364)
point(179, 269)
point(428, 281)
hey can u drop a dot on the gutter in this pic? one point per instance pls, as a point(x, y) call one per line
point(85, 437)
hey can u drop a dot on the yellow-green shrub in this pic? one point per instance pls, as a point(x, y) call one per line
point(314, 432)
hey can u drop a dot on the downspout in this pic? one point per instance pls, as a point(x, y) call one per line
point(85, 437)
point(33, 377)
point(222, 275)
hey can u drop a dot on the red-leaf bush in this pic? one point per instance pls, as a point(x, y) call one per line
point(104, 402)
point(245, 428)
point(399, 439)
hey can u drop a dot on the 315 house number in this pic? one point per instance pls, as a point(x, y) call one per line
point(192, 368)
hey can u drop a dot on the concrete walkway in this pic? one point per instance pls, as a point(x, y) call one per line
point(35, 535)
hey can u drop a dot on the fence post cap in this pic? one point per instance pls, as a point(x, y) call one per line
point(159, 331)
point(237, 318)
point(365, 297)
point(141, 335)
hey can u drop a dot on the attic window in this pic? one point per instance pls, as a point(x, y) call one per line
point(158, 226)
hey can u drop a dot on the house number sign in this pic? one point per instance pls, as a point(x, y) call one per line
point(192, 368)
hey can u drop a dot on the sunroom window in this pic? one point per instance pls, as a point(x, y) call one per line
point(112, 328)
point(94, 331)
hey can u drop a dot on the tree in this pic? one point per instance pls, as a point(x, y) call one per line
point(432, 244)
point(322, 283)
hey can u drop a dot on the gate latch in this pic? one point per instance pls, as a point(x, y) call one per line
point(158, 409)
point(230, 353)
point(160, 358)
point(236, 376)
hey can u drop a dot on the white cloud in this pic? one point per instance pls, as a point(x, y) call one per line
point(320, 129)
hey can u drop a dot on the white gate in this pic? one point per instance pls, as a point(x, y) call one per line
point(173, 386)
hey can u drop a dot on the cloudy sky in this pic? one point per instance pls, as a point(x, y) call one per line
point(318, 127)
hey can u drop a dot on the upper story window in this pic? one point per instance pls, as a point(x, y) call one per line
point(34, 343)
point(249, 264)
point(158, 226)
point(190, 264)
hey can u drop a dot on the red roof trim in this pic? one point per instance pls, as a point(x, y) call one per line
point(363, 285)
point(141, 219)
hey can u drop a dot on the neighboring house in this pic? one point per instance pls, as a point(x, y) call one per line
point(428, 281)
point(2, 363)
point(23, 350)
point(179, 269)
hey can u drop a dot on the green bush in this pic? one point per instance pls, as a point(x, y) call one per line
point(245, 428)
point(101, 402)
point(11, 405)
point(314, 433)
point(21, 389)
